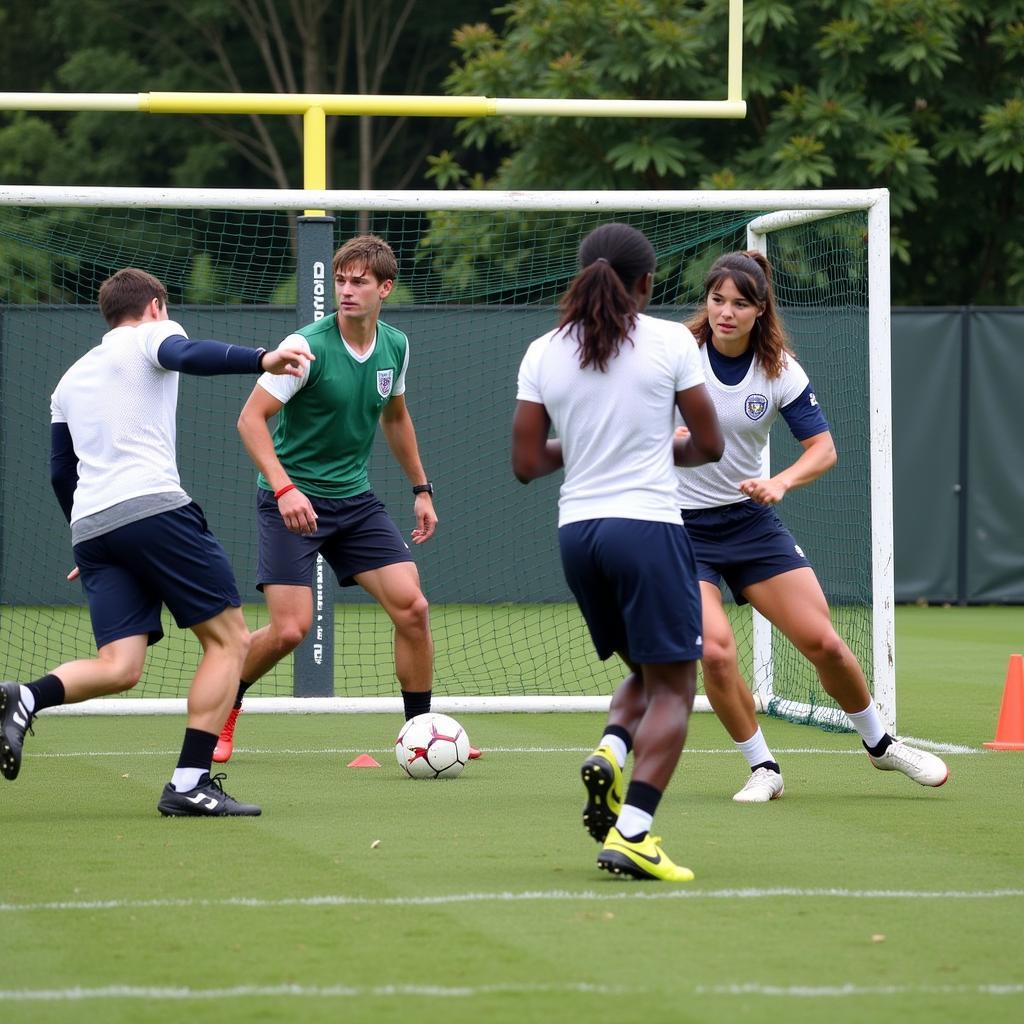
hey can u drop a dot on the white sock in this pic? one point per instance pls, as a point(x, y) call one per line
point(618, 747)
point(27, 698)
point(869, 724)
point(632, 821)
point(755, 750)
point(185, 779)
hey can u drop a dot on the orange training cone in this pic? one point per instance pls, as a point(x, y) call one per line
point(1010, 730)
point(364, 761)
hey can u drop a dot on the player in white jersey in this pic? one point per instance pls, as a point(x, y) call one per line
point(139, 540)
point(609, 381)
point(737, 536)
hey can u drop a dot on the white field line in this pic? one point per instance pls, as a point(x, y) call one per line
point(849, 989)
point(179, 993)
point(539, 896)
point(149, 993)
point(855, 751)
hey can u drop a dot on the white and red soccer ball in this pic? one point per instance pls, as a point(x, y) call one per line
point(432, 746)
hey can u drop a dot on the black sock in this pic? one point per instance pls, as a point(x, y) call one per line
point(48, 692)
point(644, 797)
point(623, 734)
point(242, 687)
point(417, 702)
point(197, 749)
point(772, 766)
point(883, 745)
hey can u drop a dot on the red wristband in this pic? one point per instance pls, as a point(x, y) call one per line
point(284, 490)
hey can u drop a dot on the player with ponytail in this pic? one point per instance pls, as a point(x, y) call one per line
point(609, 380)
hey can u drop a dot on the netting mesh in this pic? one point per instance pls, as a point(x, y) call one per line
point(474, 289)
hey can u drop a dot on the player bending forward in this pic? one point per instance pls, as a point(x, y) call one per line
point(729, 511)
point(139, 540)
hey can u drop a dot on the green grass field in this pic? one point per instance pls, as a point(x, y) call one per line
point(858, 896)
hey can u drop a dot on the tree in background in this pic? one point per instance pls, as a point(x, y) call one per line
point(308, 46)
point(923, 97)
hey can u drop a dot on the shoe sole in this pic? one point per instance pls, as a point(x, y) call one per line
point(9, 764)
point(929, 785)
point(598, 817)
point(199, 814)
point(220, 757)
point(774, 796)
point(621, 866)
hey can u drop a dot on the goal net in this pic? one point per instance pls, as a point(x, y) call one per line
point(480, 276)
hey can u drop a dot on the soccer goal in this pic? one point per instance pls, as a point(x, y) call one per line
point(480, 276)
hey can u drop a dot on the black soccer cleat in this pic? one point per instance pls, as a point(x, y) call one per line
point(207, 800)
point(15, 721)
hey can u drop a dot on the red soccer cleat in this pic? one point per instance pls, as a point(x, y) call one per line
point(226, 741)
point(474, 753)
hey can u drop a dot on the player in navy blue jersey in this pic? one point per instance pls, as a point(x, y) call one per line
point(139, 540)
point(608, 380)
point(728, 508)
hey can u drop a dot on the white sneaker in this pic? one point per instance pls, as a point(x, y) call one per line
point(924, 768)
point(762, 786)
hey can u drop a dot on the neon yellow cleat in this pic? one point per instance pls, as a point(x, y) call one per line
point(602, 778)
point(645, 859)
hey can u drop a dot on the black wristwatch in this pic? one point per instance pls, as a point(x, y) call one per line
point(426, 488)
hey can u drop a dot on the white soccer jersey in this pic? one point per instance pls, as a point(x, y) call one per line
point(615, 427)
point(120, 405)
point(746, 412)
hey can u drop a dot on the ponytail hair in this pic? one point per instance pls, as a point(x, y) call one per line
point(601, 303)
point(751, 273)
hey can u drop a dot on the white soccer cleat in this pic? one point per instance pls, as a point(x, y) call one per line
point(762, 786)
point(924, 768)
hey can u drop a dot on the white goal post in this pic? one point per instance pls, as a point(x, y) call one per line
point(767, 213)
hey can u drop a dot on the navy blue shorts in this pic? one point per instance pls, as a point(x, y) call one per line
point(353, 534)
point(743, 544)
point(636, 585)
point(171, 558)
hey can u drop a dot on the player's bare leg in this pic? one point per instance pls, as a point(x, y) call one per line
point(795, 604)
point(660, 734)
point(225, 642)
point(192, 792)
point(601, 772)
point(726, 690)
point(396, 588)
point(291, 615)
point(116, 667)
point(730, 698)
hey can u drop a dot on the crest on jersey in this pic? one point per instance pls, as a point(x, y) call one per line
point(755, 406)
point(385, 378)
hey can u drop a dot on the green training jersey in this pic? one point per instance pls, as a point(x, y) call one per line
point(325, 430)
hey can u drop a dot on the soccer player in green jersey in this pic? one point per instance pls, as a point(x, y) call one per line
point(313, 491)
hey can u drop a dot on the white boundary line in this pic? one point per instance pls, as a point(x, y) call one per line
point(538, 896)
point(854, 751)
point(162, 993)
point(159, 992)
point(850, 989)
